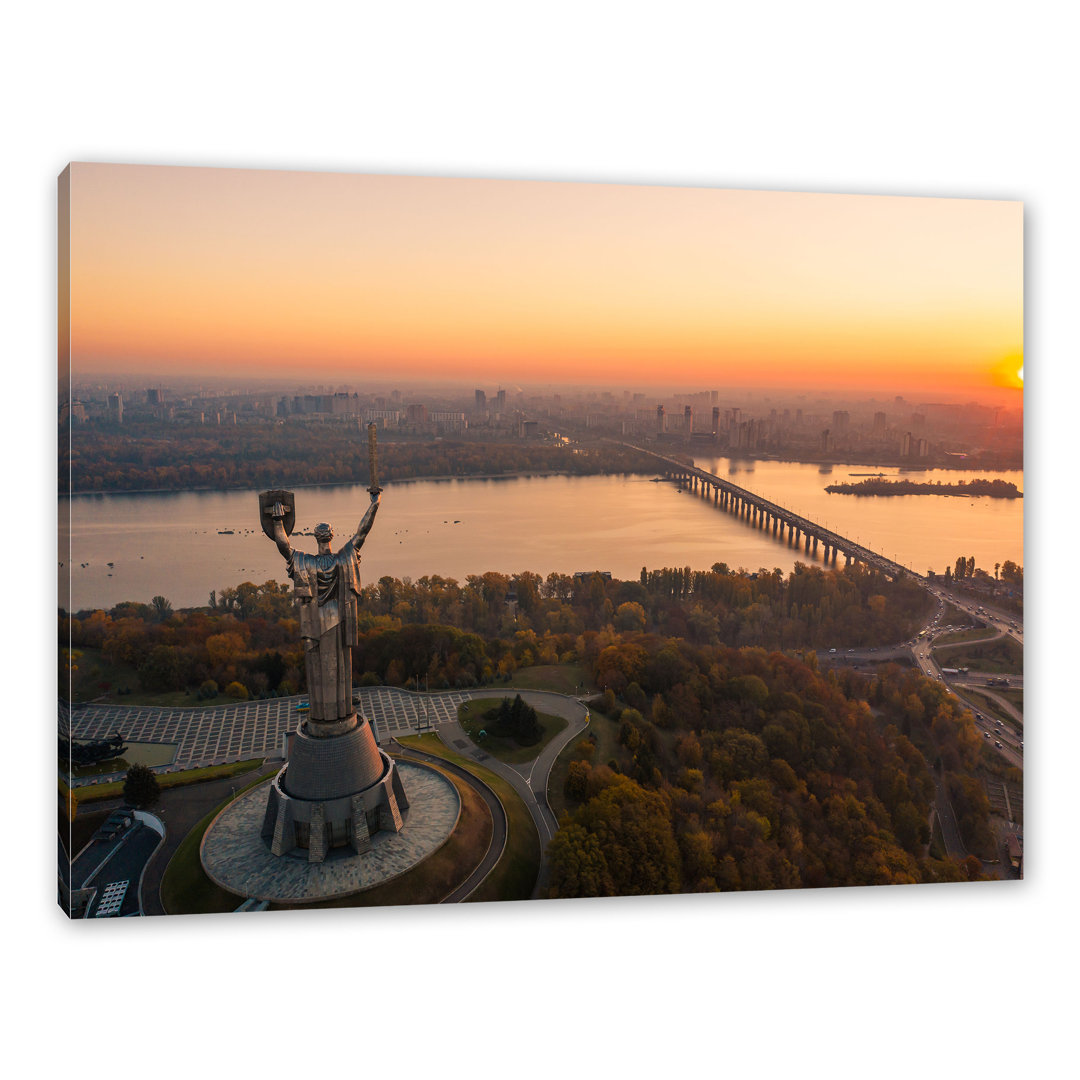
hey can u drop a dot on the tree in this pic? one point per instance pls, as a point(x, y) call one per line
point(162, 669)
point(577, 780)
point(141, 787)
point(630, 616)
point(162, 608)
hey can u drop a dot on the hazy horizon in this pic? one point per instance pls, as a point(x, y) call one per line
point(344, 278)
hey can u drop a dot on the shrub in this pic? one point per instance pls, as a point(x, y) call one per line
point(140, 787)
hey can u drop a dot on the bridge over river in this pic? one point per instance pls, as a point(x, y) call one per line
point(760, 513)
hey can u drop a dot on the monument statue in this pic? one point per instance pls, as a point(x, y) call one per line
point(326, 587)
point(337, 787)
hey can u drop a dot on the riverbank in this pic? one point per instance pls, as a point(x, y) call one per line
point(993, 489)
point(923, 465)
point(523, 474)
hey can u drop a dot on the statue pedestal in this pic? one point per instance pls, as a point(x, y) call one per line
point(336, 790)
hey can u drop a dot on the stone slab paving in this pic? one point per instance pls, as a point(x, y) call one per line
point(219, 734)
point(235, 856)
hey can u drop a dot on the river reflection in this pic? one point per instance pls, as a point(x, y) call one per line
point(182, 545)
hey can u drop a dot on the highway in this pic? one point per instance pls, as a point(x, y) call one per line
point(1005, 739)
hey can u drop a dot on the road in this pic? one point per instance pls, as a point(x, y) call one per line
point(950, 830)
point(1007, 741)
point(529, 779)
point(495, 808)
point(182, 808)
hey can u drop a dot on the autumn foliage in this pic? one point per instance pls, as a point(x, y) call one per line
point(752, 770)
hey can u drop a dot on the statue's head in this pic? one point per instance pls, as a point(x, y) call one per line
point(323, 534)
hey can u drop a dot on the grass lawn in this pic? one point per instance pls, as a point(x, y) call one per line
point(606, 731)
point(1014, 697)
point(952, 615)
point(515, 873)
point(989, 707)
point(167, 780)
point(976, 633)
point(471, 716)
point(185, 888)
point(1003, 655)
point(561, 678)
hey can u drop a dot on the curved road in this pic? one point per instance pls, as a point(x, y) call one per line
point(529, 779)
point(498, 820)
point(182, 808)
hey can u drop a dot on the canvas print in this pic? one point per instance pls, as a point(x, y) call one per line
point(436, 540)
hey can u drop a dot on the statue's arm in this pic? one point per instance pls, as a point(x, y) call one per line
point(280, 536)
point(367, 520)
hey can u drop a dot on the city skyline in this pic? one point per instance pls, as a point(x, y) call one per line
point(324, 276)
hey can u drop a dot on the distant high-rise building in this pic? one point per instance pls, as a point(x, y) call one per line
point(826, 441)
point(841, 418)
point(116, 408)
point(500, 400)
point(481, 401)
point(155, 395)
point(879, 423)
point(736, 415)
point(714, 396)
point(905, 445)
point(660, 425)
point(688, 419)
point(715, 417)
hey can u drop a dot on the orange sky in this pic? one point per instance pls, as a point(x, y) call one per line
point(326, 275)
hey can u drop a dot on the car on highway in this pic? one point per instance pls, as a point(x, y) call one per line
point(997, 744)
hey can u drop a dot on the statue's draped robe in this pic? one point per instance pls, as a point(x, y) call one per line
point(327, 588)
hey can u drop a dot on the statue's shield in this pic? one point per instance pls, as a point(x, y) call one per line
point(266, 509)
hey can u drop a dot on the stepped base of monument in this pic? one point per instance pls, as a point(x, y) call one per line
point(334, 792)
point(236, 858)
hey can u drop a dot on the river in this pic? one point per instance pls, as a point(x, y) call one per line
point(181, 545)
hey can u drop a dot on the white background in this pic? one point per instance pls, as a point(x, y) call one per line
point(934, 99)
